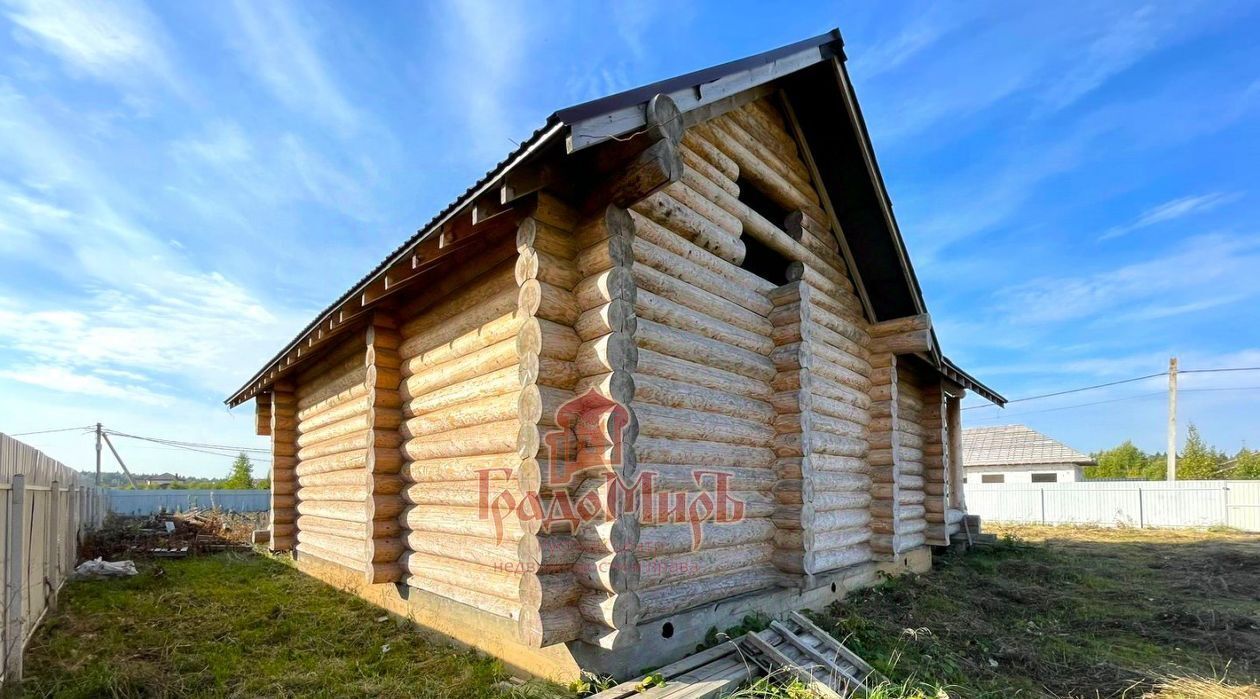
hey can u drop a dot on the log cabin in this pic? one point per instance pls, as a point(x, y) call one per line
point(666, 365)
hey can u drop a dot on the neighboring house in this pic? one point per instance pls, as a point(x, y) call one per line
point(1018, 454)
point(162, 480)
point(697, 285)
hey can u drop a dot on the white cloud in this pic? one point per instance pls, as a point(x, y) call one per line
point(485, 56)
point(279, 45)
point(1204, 272)
point(118, 42)
point(201, 331)
point(61, 379)
point(1120, 45)
point(1172, 210)
point(267, 169)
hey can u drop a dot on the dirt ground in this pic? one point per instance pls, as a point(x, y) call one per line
point(1073, 612)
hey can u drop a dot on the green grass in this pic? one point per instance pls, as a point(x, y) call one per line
point(1057, 612)
point(246, 626)
point(1064, 612)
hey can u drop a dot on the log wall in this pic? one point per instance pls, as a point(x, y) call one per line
point(604, 349)
point(911, 435)
point(335, 482)
point(702, 391)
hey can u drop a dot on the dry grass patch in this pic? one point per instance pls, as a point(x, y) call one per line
point(1072, 612)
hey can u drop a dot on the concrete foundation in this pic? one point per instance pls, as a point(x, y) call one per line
point(661, 641)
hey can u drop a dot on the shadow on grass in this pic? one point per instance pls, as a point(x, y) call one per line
point(239, 625)
point(1066, 612)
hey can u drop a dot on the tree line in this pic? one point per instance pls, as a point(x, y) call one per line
point(1197, 461)
point(240, 477)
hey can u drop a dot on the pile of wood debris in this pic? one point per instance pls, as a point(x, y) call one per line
point(171, 535)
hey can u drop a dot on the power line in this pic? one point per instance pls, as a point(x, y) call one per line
point(60, 429)
point(1121, 382)
point(1074, 390)
point(1003, 416)
point(196, 445)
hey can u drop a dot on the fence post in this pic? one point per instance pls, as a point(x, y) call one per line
point(53, 558)
point(1141, 510)
point(14, 566)
point(1225, 504)
point(1043, 505)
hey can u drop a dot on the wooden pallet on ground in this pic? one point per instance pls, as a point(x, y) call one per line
point(798, 647)
point(713, 672)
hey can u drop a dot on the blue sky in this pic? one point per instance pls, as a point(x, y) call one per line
point(183, 185)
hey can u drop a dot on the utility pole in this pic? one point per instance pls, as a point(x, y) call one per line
point(98, 453)
point(1172, 419)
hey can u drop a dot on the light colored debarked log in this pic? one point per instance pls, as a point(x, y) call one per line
point(793, 429)
point(382, 456)
point(548, 602)
point(607, 571)
point(283, 466)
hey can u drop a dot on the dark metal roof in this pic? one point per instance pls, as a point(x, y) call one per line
point(638, 95)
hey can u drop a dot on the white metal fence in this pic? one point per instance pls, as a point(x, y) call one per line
point(1233, 504)
point(150, 502)
point(44, 508)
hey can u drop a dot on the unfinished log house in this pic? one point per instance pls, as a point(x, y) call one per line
point(666, 365)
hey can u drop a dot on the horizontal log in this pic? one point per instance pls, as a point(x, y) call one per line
point(496, 523)
point(679, 567)
point(678, 451)
point(662, 310)
point(493, 283)
point(543, 629)
point(491, 438)
point(420, 379)
point(663, 273)
point(495, 408)
point(457, 328)
point(701, 146)
point(498, 606)
point(672, 214)
point(696, 166)
point(689, 396)
point(696, 348)
point(676, 597)
point(377, 529)
point(673, 368)
point(666, 539)
point(747, 289)
point(674, 423)
point(376, 572)
point(483, 578)
point(831, 559)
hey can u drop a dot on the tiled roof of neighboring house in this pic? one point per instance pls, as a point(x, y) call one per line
point(1014, 445)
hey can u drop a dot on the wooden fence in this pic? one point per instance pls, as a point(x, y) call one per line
point(1234, 504)
point(45, 506)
